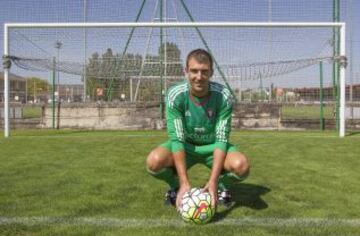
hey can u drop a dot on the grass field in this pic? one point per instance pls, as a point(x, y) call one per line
point(95, 183)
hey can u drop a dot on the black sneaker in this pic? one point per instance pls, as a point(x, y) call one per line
point(170, 197)
point(224, 197)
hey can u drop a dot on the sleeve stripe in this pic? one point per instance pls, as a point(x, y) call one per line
point(218, 133)
point(224, 130)
point(172, 100)
point(179, 129)
point(226, 96)
point(176, 128)
point(221, 89)
point(223, 125)
point(174, 89)
point(175, 92)
point(221, 130)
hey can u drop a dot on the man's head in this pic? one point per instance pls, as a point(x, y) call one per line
point(199, 69)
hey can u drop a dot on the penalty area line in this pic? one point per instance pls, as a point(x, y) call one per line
point(152, 223)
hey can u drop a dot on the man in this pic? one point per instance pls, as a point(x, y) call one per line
point(198, 114)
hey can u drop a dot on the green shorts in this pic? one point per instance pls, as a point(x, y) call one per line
point(199, 154)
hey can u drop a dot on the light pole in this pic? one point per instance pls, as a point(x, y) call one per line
point(34, 92)
point(26, 88)
point(85, 55)
point(58, 45)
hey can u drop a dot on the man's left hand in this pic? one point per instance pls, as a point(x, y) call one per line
point(211, 187)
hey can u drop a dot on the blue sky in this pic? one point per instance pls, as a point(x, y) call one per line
point(202, 10)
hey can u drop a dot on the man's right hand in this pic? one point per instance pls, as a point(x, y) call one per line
point(182, 190)
point(180, 164)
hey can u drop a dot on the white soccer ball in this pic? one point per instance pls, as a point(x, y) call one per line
point(196, 207)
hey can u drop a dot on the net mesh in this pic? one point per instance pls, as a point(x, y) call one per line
point(261, 65)
point(129, 63)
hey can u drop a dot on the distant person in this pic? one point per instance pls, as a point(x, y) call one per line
point(198, 114)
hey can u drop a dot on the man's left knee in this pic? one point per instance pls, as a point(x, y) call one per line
point(240, 165)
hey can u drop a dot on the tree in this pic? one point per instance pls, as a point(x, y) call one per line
point(93, 73)
point(173, 57)
point(116, 71)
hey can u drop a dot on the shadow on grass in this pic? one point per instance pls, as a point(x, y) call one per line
point(357, 133)
point(245, 195)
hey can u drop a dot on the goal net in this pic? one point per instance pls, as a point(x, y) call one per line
point(290, 64)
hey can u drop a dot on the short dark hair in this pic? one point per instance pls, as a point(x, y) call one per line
point(201, 56)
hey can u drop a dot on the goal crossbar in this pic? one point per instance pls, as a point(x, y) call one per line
point(174, 24)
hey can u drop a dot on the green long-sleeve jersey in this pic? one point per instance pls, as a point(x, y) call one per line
point(199, 121)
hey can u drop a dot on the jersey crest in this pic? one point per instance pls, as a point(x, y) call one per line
point(210, 113)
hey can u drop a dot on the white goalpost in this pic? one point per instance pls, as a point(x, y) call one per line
point(197, 26)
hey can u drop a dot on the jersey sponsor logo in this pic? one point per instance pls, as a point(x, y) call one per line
point(199, 130)
point(201, 138)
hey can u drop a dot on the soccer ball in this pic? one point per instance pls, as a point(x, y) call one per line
point(196, 207)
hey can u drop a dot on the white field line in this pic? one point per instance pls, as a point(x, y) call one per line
point(152, 223)
point(55, 136)
point(165, 136)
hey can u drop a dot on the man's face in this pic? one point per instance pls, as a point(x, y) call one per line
point(198, 75)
